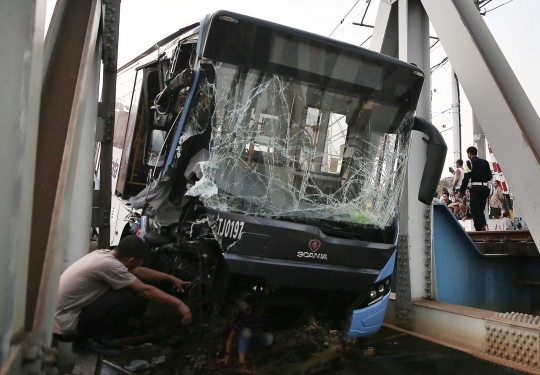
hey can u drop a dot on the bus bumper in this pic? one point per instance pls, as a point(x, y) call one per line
point(367, 321)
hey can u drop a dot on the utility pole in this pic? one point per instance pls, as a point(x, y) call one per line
point(456, 115)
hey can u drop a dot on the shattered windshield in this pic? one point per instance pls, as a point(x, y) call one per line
point(282, 147)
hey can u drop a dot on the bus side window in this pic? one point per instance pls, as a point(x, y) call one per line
point(137, 173)
point(146, 144)
point(158, 123)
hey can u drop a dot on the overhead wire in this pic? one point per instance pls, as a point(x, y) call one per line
point(364, 17)
point(437, 45)
point(436, 48)
point(446, 60)
point(440, 113)
point(362, 22)
point(364, 11)
point(489, 10)
point(437, 66)
point(433, 47)
point(341, 22)
point(450, 128)
point(370, 26)
point(364, 42)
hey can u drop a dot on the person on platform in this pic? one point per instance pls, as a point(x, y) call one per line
point(444, 191)
point(496, 201)
point(102, 290)
point(455, 206)
point(479, 174)
point(446, 199)
point(509, 223)
point(459, 173)
point(465, 206)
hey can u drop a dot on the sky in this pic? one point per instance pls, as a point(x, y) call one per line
point(514, 25)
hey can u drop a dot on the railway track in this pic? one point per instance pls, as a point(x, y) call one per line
point(507, 242)
point(502, 235)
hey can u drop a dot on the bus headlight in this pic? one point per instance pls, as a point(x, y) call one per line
point(373, 294)
point(381, 288)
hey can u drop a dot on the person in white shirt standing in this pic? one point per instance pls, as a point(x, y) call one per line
point(459, 173)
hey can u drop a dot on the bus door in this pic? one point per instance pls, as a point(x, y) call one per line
point(149, 131)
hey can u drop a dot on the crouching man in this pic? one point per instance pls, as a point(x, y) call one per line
point(101, 291)
point(249, 332)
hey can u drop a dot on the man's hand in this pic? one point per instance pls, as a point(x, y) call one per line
point(186, 313)
point(223, 361)
point(179, 284)
point(152, 293)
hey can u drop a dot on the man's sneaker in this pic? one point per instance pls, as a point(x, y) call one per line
point(90, 346)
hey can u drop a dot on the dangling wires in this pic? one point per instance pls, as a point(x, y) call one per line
point(437, 66)
point(489, 10)
point(341, 22)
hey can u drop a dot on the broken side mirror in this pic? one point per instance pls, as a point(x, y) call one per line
point(436, 157)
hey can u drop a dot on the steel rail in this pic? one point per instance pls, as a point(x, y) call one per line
point(501, 236)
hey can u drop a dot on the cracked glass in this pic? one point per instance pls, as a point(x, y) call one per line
point(289, 149)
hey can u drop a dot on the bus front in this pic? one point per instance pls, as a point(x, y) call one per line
point(297, 147)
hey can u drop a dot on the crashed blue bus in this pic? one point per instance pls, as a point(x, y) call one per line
point(258, 159)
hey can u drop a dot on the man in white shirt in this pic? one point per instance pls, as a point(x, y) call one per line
point(101, 291)
point(459, 173)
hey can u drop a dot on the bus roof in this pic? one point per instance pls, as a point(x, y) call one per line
point(276, 26)
point(159, 44)
point(314, 37)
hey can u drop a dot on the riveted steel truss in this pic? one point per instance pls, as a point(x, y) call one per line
point(57, 113)
point(481, 67)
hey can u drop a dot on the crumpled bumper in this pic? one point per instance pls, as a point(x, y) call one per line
point(368, 321)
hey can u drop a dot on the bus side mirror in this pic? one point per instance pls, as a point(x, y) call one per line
point(436, 157)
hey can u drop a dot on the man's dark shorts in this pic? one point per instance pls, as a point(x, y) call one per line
point(496, 212)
